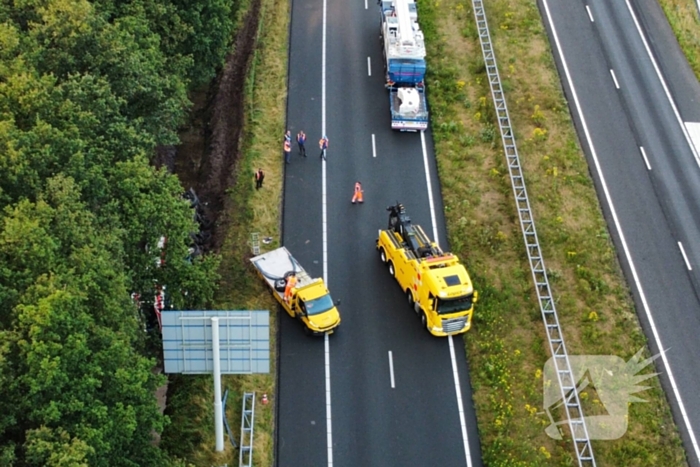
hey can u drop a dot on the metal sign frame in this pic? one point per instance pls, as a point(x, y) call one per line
point(244, 341)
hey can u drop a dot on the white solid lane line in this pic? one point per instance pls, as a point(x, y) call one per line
point(675, 112)
point(374, 147)
point(460, 404)
point(693, 129)
point(590, 15)
point(324, 222)
point(391, 369)
point(430, 188)
point(365, 4)
point(644, 155)
point(329, 426)
point(455, 373)
point(612, 72)
point(369, 66)
point(623, 241)
point(685, 258)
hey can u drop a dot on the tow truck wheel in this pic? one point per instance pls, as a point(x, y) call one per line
point(424, 320)
point(409, 295)
point(391, 269)
point(382, 254)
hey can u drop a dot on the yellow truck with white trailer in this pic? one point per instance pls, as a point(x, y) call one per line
point(305, 298)
point(436, 284)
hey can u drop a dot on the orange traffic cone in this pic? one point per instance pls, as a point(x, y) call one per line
point(264, 399)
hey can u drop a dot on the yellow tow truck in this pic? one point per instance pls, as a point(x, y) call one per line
point(436, 284)
point(308, 300)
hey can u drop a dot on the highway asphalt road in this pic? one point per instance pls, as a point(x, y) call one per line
point(380, 342)
point(646, 173)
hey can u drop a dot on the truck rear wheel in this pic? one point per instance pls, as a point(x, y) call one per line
point(409, 296)
point(391, 269)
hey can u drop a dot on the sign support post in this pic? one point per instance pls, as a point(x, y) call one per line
point(218, 414)
point(195, 343)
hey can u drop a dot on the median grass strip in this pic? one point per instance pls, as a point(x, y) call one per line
point(683, 17)
point(507, 347)
point(248, 211)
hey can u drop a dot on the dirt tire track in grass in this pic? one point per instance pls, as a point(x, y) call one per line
point(210, 170)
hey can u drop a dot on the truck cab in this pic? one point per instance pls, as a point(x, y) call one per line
point(314, 306)
point(309, 300)
point(437, 286)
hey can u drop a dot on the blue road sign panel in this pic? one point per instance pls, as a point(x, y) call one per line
point(244, 341)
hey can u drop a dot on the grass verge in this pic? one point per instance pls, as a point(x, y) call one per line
point(683, 17)
point(248, 211)
point(507, 347)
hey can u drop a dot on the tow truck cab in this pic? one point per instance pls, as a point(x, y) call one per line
point(309, 302)
point(314, 306)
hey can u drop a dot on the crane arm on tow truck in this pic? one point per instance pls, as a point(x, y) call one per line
point(436, 284)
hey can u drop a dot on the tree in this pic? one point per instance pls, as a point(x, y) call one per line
point(74, 376)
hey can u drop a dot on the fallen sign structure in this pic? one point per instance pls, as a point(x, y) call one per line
point(217, 342)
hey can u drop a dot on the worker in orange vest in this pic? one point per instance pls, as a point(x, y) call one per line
point(291, 283)
point(357, 197)
point(287, 150)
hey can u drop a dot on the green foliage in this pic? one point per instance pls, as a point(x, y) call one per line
point(87, 90)
point(76, 379)
point(193, 34)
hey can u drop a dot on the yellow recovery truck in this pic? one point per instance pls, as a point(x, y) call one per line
point(436, 284)
point(308, 301)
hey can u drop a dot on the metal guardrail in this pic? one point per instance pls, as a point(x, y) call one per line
point(567, 384)
point(245, 456)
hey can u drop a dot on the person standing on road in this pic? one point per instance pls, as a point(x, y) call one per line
point(259, 177)
point(287, 150)
point(301, 140)
point(357, 197)
point(288, 136)
point(323, 144)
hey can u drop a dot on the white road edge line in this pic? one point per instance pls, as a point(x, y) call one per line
point(685, 258)
point(365, 4)
point(588, 9)
point(391, 369)
point(369, 66)
point(612, 72)
point(324, 222)
point(673, 106)
point(374, 147)
point(430, 188)
point(644, 155)
point(460, 404)
point(628, 255)
point(455, 373)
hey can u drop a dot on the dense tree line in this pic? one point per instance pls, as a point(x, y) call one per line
point(88, 89)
